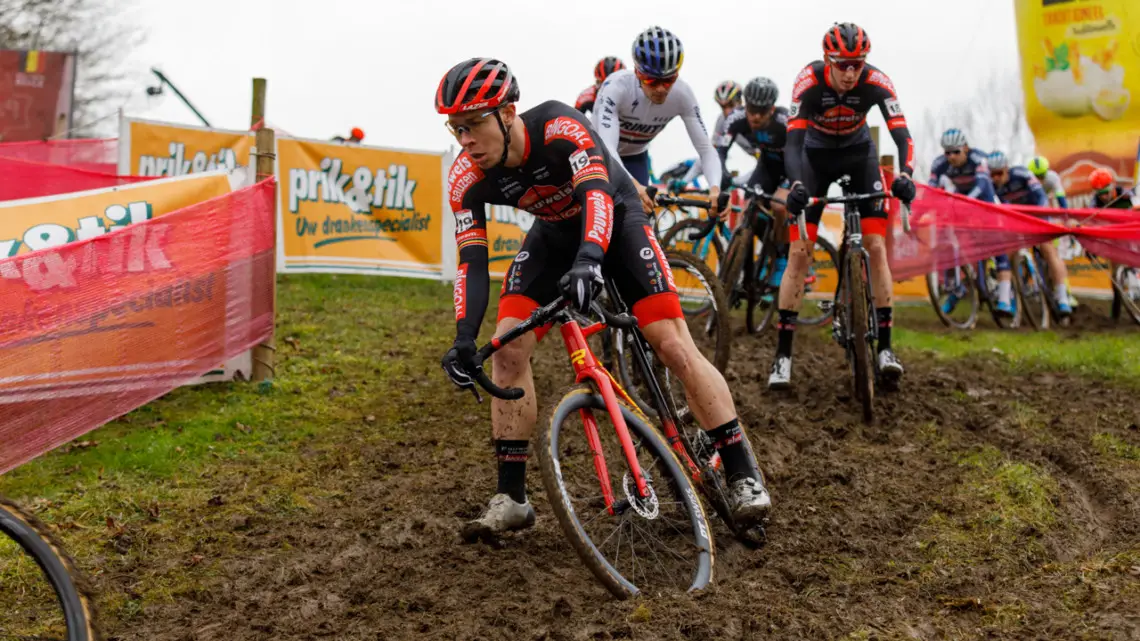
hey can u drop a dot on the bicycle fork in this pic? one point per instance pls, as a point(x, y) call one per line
point(587, 367)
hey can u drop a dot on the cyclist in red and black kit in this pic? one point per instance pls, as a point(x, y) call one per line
point(828, 138)
point(602, 70)
point(588, 218)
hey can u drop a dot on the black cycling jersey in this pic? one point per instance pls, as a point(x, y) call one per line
point(766, 143)
point(569, 181)
point(1022, 188)
point(822, 118)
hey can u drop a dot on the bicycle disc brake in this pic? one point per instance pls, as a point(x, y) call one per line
point(648, 507)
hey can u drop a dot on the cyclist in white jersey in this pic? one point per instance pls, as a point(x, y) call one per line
point(632, 107)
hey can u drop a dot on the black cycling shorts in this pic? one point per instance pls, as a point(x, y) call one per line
point(825, 166)
point(635, 261)
point(769, 175)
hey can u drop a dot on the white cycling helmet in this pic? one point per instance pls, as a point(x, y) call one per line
point(997, 160)
point(953, 139)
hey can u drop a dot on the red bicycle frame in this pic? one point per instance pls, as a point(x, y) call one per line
point(586, 366)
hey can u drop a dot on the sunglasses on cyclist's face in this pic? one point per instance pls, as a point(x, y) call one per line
point(848, 65)
point(457, 129)
point(952, 152)
point(997, 173)
point(755, 110)
point(646, 81)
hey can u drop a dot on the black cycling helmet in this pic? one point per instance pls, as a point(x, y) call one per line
point(761, 92)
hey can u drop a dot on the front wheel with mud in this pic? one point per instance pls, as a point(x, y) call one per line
point(641, 542)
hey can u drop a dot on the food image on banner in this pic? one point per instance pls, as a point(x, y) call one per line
point(45, 223)
point(1080, 65)
point(35, 94)
point(356, 209)
point(158, 149)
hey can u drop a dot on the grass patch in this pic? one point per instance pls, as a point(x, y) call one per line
point(1113, 357)
point(1112, 445)
point(998, 510)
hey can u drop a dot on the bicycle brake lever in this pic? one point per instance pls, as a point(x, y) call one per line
point(475, 390)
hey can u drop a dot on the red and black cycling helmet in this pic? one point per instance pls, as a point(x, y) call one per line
point(846, 41)
point(606, 66)
point(478, 83)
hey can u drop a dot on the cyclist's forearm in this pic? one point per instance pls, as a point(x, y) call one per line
point(794, 153)
point(471, 293)
point(597, 220)
point(905, 143)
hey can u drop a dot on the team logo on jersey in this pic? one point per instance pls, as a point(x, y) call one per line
point(548, 201)
point(841, 120)
point(463, 174)
point(459, 293)
point(568, 129)
point(646, 253)
point(599, 217)
point(879, 78)
point(521, 256)
point(806, 80)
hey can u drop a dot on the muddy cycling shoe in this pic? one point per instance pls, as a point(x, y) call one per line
point(503, 515)
point(889, 365)
point(1004, 308)
point(749, 500)
point(781, 376)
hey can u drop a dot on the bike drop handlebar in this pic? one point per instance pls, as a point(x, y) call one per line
point(664, 200)
point(538, 318)
point(801, 219)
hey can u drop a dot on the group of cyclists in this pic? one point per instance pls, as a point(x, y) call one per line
point(583, 172)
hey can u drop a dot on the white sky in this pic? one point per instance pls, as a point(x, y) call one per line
point(335, 64)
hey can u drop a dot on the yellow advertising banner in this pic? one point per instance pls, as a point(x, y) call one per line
point(354, 209)
point(1080, 67)
point(40, 223)
point(158, 149)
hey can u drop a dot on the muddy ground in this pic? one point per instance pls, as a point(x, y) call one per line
point(979, 506)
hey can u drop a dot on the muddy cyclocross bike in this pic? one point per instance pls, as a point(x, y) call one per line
point(42, 595)
point(625, 497)
point(854, 326)
point(703, 303)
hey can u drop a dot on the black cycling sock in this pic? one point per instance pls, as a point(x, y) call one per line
point(512, 468)
point(787, 331)
point(728, 439)
point(885, 316)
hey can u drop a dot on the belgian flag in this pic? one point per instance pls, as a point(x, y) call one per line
point(31, 62)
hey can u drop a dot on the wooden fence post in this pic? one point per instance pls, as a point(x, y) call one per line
point(264, 353)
